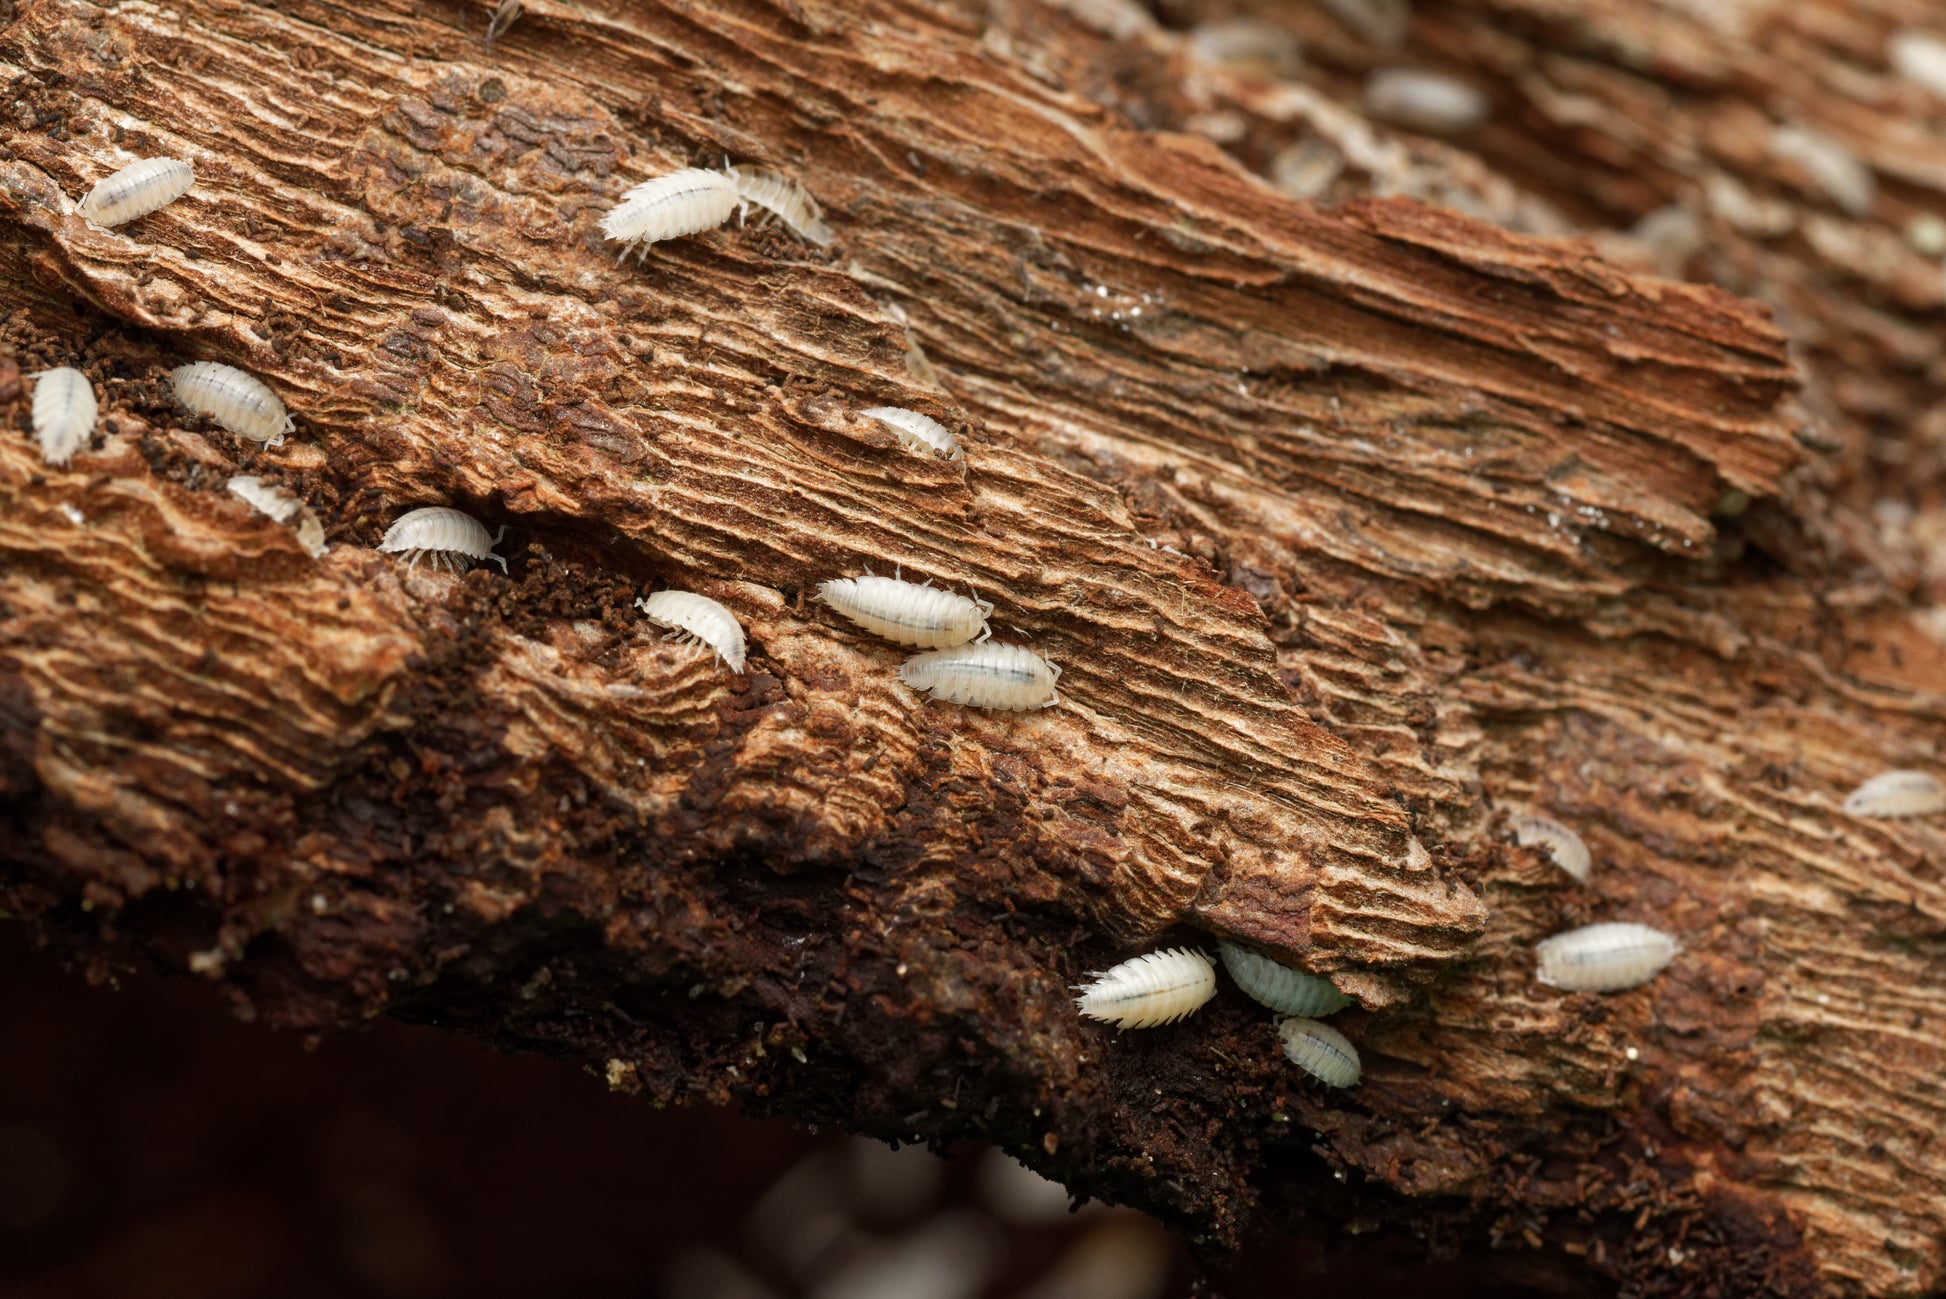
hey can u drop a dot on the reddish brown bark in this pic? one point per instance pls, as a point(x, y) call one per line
point(1351, 526)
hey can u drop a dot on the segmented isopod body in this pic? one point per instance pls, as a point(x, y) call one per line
point(699, 619)
point(137, 190)
point(1152, 989)
point(1898, 793)
point(1278, 986)
point(1604, 958)
point(64, 413)
point(917, 432)
point(984, 676)
point(785, 199)
point(910, 613)
point(282, 507)
point(668, 207)
point(1919, 57)
point(241, 403)
point(1424, 101)
point(1321, 1051)
point(1836, 170)
point(446, 535)
point(1563, 844)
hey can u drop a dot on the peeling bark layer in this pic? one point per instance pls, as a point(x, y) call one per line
point(1350, 527)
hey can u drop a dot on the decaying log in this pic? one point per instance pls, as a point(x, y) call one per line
point(1353, 528)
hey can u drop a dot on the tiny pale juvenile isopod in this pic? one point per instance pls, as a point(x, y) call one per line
point(1278, 986)
point(282, 507)
point(1249, 45)
point(1321, 1051)
point(1898, 793)
point(64, 413)
point(910, 613)
point(668, 207)
point(921, 433)
point(137, 190)
point(1564, 845)
point(1920, 58)
point(784, 199)
point(241, 403)
point(698, 619)
point(988, 675)
point(1424, 101)
point(1835, 169)
point(446, 535)
point(1148, 990)
point(1604, 958)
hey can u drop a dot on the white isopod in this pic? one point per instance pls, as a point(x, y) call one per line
point(1321, 1051)
point(1919, 57)
point(910, 613)
point(282, 507)
point(917, 432)
point(137, 190)
point(64, 413)
point(1836, 170)
point(447, 535)
point(241, 403)
point(984, 676)
point(698, 619)
point(1424, 101)
point(1278, 986)
point(1604, 958)
point(785, 199)
point(1563, 844)
point(1898, 793)
point(668, 207)
point(1155, 988)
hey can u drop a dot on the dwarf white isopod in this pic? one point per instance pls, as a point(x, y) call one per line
point(1604, 958)
point(1898, 793)
point(1836, 170)
point(1919, 57)
point(282, 507)
point(784, 199)
point(984, 676)
point(1151, 989)
point(910, 613)
point(698, 619)
point(64, 413)
point(1248, 44)
point(445, 534)
point(1424, 101)
point(1273, 984)
point(921, 433)
point(1321, 1051)
point(137, 190)
point(668, 207)
point(1562, 844)
point(241, 403)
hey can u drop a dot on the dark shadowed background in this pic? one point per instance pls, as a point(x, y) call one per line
point(153, 1146)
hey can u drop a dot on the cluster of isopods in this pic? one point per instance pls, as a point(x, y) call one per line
point(959, 663)
point(664, 207)
point(1162, 987)
point(1607, 957)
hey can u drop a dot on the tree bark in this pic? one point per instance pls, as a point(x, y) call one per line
point(1351, 527)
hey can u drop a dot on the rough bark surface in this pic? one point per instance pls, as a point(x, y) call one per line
point(1352, 526)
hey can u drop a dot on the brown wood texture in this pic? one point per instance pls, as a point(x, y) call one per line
point(1353, 525)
